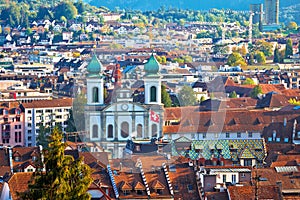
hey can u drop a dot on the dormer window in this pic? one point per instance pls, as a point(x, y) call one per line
point(34, 158)
point(17, 158)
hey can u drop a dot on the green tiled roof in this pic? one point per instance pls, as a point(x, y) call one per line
point(94, 67)
point(251, 148)
point(152, 66)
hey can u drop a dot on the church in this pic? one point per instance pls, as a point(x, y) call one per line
point(111, 124)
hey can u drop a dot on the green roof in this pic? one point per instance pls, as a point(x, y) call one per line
point(152, 66)
point(94, 67)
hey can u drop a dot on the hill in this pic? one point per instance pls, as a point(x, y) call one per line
point(183, 4)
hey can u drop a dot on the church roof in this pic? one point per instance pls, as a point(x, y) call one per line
point(94, 67)
point(152, 66)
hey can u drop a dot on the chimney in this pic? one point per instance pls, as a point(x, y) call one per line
point(10, 160)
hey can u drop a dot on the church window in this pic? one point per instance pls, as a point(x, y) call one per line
point(139, 130)
point(95, 131)
point(110, 129)
point(95, 95)
point(153, 94)
point(124, 129)
point(154, 130)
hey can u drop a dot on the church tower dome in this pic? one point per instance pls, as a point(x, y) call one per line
point(94, 67)
point(152, 66)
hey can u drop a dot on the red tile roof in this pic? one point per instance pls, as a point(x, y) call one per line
point(49, 103)
point(248, 192)
point(19, 183)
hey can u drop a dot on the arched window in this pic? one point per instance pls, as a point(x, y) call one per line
point(95, 131)
point(153, 94)
point(154, 130)
point(124, 129)
point(110, 133)
point(95, 95)
point(139, 131)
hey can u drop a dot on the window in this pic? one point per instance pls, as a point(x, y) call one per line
point(247, 162)
point(95, 95)
point(124, 129)
point(270, 139)
point(29, 111)
point(224, 178)
point(16, 126)
point(277, 139)
point(250, 134)
point(20, 138)
point(286, 139)
point(16, 136)
point(238, 135)
point(154, 130)
point(233, 178)
point(204, 135)
point(110, 131)
point(153, 94)
point(29, 124)
point(139, 131)
point(227, 135)
point(243, 175)
point(95, 131)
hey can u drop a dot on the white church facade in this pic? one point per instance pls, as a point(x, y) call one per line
point(111, 125)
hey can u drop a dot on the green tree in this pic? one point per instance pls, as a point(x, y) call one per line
point(260, 57)
point(78, 111)
point(292, 26)
point(71, 127)
point(233, 95)
point(288, 48)
point(276, 55)
point(165, 97)
point(66, 9)
point(186, 96)
point(256, 91)
point(42, 138)
point(263, 46)
point(236, 59)
point(248, 81)
point(64, 178)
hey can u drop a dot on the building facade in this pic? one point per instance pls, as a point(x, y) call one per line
point(257, 10)
point(271, 11)
point(11, 124)
point(47, 113)
point(112, 124)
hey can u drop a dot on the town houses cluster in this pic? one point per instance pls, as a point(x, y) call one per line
point(155, 112)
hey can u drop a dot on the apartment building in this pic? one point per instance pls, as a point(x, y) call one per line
point(11, 124)
point(48, 113)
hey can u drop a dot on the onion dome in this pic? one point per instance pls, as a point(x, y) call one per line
point(94, 67)
point(152, 66)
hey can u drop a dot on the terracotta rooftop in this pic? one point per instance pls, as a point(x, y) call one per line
point(19, 183)
point(49, 103)
point(248, 192)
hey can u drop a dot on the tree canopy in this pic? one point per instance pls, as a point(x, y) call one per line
point(165, 97)
point(63, 178)
point(256, 91)
point(236, 59)
point(186, 96)
point(289, 48)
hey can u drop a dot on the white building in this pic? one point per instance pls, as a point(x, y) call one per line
point(111, 125)
point(48, 113)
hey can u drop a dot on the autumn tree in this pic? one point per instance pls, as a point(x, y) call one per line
point(63, 178)
point(289, 48)
point(236, 59)
point(260, 57)
point(186, 96)
point(165, 97)
point(256, 91)
point(292, 26)
point(248, 81)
